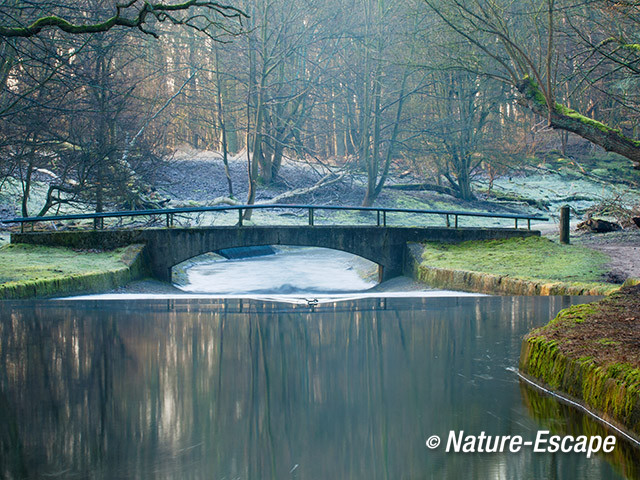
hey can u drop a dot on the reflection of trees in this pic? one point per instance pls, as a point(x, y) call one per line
point(254, 390)
point(562, 419)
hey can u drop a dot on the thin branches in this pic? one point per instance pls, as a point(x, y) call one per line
point(143, 11)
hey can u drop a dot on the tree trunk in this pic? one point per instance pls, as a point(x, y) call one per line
point(26, 186)
point(221, 122)
point(567, 119)
point(423, 187)
point(464, 185)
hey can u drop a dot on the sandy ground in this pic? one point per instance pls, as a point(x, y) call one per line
point(622, 247)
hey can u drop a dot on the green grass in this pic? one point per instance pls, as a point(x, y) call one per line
point(23, 263)
point(532, 258)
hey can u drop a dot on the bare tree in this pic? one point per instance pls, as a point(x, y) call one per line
point(518, 43)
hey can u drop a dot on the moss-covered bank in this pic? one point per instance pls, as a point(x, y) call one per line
point(30, 271)
point(591, 354)
point(517, 266)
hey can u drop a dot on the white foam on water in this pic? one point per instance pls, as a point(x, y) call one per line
point(298, 275)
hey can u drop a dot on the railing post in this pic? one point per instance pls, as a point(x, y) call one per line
point(239, 217)
point(564, 225)
point(167, 220)
point(384, 218)
point(448, 223)
point(310, 216)
point(516, 223)
point(528, 224)
point(456, 221)
point(21, 227)
point(378, 212)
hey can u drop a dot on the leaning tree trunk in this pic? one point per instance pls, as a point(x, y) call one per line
point(567, 119)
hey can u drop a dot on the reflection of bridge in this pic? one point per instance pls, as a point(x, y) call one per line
point(383, 244)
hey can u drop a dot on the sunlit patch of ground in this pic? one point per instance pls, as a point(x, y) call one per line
point(532, 258)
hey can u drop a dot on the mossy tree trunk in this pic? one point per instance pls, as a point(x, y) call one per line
point(564, 118)
point(522, 49)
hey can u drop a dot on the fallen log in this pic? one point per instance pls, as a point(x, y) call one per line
point(431, 187)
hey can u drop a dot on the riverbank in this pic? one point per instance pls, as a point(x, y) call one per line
point(32, 271)
point(591, 354)
point(530, 266)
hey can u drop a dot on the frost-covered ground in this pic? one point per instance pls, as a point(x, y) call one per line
point(557, 190)
point(195, 177)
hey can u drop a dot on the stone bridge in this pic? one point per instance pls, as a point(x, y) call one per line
point(167, 247)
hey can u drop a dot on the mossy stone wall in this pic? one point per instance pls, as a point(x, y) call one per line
point(613, 392)
point(478, 282)
point(501, 284)
point(134, 267)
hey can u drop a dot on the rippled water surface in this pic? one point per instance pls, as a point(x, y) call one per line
point(244, 389)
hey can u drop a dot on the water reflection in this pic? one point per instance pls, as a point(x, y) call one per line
point(204, 389)
point(562, 419)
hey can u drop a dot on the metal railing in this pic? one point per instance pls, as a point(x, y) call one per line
point(381, 214)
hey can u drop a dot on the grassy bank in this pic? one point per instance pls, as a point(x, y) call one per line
point(38, 271)
point(591, 353)
point(526, 266)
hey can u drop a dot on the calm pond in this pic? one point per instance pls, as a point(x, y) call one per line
point(249, 389)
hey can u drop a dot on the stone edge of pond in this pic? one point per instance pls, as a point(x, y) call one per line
point(610, 392)
point(479, 282)
point(134, 268)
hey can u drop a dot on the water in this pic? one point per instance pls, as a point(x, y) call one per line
point(245, 389)
point(292, 271)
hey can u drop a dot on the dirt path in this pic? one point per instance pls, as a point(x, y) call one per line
point(622, 247)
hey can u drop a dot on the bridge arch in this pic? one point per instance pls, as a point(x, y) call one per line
point(175, 246)
point(281, 269)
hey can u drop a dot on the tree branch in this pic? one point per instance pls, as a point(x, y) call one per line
point(564, 118)
point(159, 11)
